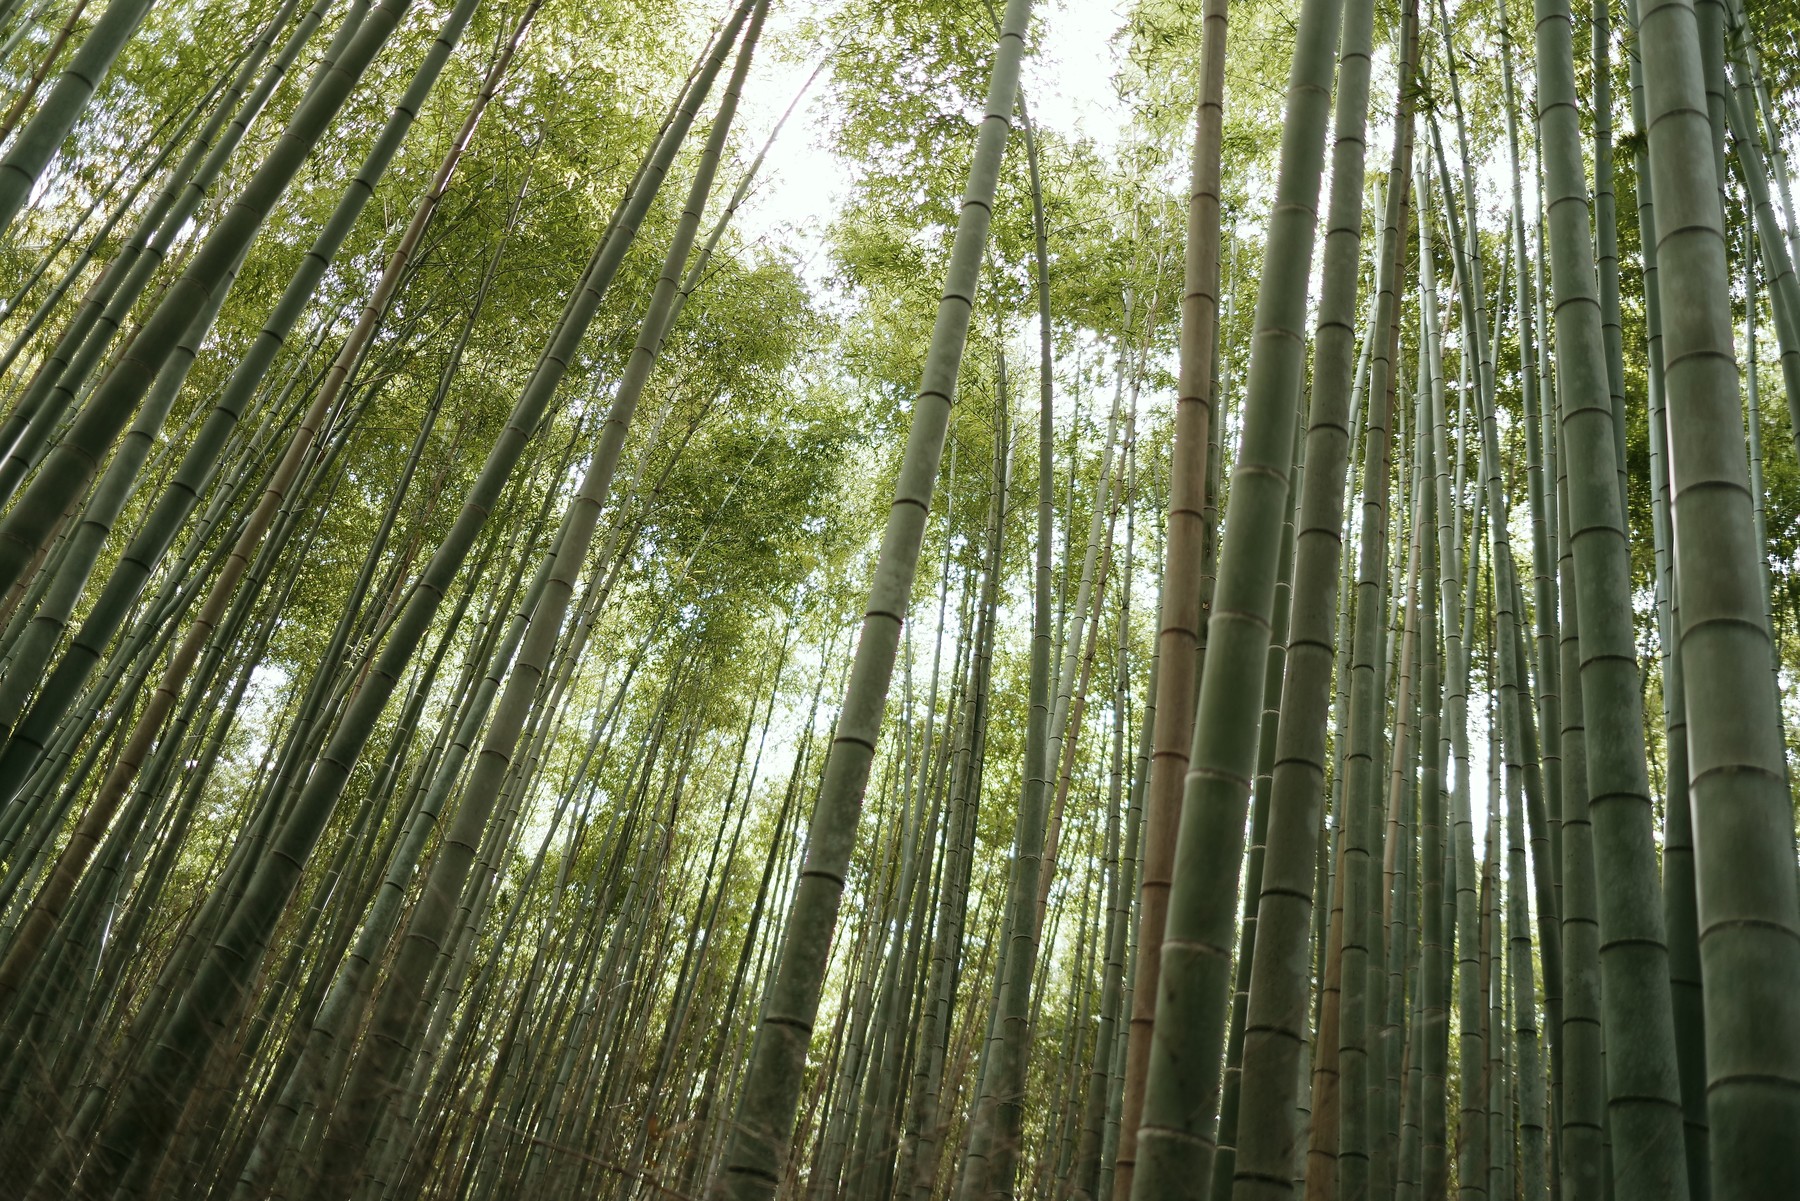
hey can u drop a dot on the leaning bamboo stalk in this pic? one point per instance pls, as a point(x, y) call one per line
point(43, 135)
point(995, 1127)
point(753, 1165)
point(23, 100)
point(77, 351)
point(46, 910)
point(72, 462)
point(218, 988)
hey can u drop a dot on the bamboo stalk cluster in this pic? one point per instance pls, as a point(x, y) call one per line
point(401, 797)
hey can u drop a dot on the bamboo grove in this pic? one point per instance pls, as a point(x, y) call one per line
point(1246, 653)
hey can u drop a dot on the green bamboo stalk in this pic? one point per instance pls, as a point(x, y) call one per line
point(1498, 1079)
point(1532, 1143)
point(1070, 695)
point(1087, 1171)
point(212, 102)
point(1364, 965)
point(1457, 602)
point(1745, 55)
point(1436, 899)
point(1225, 1160)
point(45, 61)
point(1537, 727)
point(1678, 895)
point(42, 136)
point(1332, 345)
point(1606, 232)
point(1134, 824)
point(1435, 960)
point(1643, 1084)
point(1749, 912)
point(1753, 428)
point(1175, 1142)
point(1393, 1165)
point(953, 902)
point(1778, 265)
point(995, 1129)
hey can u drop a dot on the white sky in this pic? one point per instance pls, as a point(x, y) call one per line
point(802, 186)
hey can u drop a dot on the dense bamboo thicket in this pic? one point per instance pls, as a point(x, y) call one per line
point(922, 601)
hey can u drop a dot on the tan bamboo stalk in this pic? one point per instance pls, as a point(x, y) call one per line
point(1178, 630)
